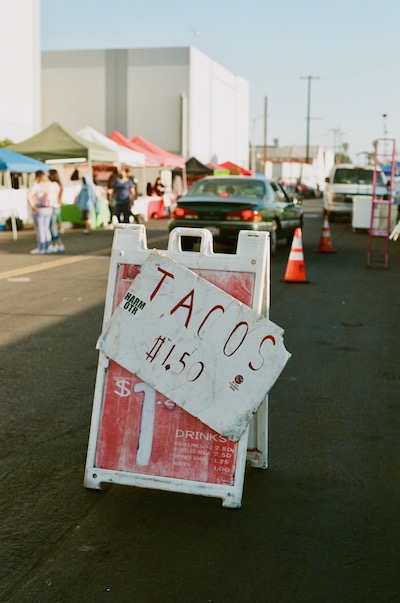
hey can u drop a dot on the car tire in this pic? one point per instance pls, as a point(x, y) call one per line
point(273, 238)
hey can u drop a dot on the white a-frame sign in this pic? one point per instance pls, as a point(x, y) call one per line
point(187, 357)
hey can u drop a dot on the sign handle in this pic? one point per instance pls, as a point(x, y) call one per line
point(205, 236)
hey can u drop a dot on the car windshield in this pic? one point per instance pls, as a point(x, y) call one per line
point(356, 176)
point(221, 187)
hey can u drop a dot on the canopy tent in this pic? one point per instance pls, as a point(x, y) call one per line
point(18, 163)
point(166, 158)
point(54, 143)
point(194, 167)
point(214, 166)
point(151, 159)
point(14, 180)
point(126, 156)
point(155, 156)
point(233, 167)
point(194, 170)
point(388, 168)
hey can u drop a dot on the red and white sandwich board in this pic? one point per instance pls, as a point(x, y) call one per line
point(141, 437)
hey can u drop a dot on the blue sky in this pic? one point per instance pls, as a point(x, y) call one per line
point(351, 46)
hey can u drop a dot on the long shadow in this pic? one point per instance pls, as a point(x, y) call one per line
point(47, 391)
point(321, 524)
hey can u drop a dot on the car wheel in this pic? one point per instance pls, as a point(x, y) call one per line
point(273, 238)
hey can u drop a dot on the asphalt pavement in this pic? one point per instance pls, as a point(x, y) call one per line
point(320, 525)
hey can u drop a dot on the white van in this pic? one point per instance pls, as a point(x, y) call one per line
point(347, 180)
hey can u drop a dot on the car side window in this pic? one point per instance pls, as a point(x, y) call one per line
point(269, 194)
point(279, 195)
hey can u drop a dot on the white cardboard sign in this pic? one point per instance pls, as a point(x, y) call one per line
point(197, 345)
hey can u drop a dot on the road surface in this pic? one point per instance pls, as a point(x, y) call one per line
point(320, 525)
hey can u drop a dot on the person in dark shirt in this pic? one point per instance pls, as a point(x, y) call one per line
point(123, 190)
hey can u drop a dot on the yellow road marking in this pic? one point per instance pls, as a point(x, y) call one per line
point(64, 261)
point(45, 266)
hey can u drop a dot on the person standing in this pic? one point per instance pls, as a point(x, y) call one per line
point(124, 192)
point(158, 188)
point(160, 191)
point(55, 194)
point(39, 202)
point(111, 194)
point(87, 202)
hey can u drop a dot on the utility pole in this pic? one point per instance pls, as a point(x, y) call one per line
point(385, 132)
point(337, 140)
point(309, 78)
point(265, 130)
point(336, 132)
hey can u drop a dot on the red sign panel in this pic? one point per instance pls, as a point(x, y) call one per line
point(143, 432)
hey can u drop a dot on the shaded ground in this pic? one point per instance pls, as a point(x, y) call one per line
point(321, 525)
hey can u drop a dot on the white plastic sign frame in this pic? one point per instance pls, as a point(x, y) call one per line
point(137, 436)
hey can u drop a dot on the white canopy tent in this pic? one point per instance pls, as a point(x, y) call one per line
point(125, 156)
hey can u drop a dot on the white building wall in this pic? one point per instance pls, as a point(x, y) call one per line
point(73, 84)
point(20, 101)
point(223, 116)
point(139, 92)
point(242, 121)
point(200, 107)
point(218, 112)
point(156, 79)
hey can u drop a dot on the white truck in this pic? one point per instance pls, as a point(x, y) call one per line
point(346, 181)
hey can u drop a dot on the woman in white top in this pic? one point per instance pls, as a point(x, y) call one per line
point(39, 201)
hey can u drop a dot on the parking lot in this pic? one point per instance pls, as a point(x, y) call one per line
point(320, 525)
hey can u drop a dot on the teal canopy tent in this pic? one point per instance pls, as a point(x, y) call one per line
point(16, 162)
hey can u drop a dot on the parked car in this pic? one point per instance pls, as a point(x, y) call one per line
point(225, 205)
point(346, 181)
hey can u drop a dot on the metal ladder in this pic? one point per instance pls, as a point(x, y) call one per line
point(381, 209)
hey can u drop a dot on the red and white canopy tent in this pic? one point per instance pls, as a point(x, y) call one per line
point(155, 156)
point(125, 156)
point(166, 158)
point(151, 160)
point(232, 167)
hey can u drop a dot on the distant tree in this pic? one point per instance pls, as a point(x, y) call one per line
point(6, 142)
point(342, 155)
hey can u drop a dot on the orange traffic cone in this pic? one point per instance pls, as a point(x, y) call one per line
point(325, 242)
point(295, 270)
